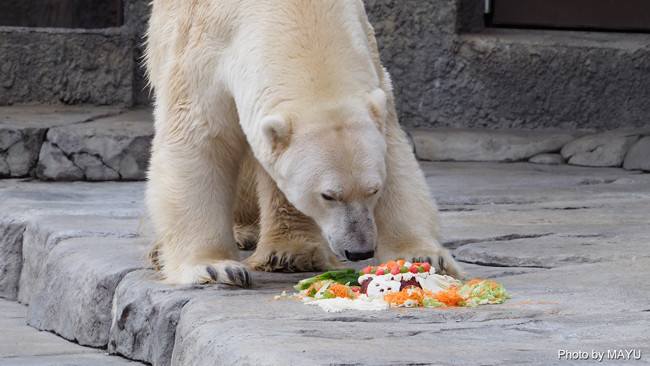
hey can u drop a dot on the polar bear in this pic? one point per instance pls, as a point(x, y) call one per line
point(277, 113)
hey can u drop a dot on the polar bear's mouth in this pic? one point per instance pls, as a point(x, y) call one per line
point(358, 256)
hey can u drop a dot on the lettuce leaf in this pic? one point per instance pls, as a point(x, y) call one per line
point(346, 276)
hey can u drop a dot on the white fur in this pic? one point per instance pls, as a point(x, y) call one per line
point(299, 83)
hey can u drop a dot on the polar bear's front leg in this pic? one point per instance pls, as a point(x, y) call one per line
point(406, 215)
point(190, 198)
point(289, 240)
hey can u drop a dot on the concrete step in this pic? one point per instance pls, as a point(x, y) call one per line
point(65, 143)
point(570, 243)
point(581, 148)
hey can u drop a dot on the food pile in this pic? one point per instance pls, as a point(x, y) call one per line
point(396, 284)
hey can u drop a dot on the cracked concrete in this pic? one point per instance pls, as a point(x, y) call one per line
point(569, 243)
point(110, 144)
point(112, 148)
point(74, 143)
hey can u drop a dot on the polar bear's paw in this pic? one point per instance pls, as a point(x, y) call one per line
point(293, 257)
point(246, 236)
point(219, 271)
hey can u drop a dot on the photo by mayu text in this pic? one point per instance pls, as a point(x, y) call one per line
point(610, 354)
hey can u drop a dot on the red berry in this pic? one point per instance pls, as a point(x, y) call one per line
point(380, 272)
point(426, 266)
point(356, 289)
point(413, 269)
point(366, 270)
point(395, 270)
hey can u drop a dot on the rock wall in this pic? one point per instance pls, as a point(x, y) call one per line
point(71, 66)
point(448, 70)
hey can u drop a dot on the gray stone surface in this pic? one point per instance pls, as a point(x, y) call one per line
point(601, 149)
point(11, 257)
point(611, 153)
point(587, 228)
point(550, 159)
point(71, 66)
point(52, 212)
point(112, 148)
point(74, 290)
point(485, 145)
point(53, 164)
point(23, 129)
point(44, 233)
point(145, 316)
point(638, 156)
point(46, 116)
point(450, 71)
point(22, 345)
point(18, 150)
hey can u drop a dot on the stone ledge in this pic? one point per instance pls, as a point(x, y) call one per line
point(59, 143)
point(74, 143)
point(605, 149)
point(485, 145)
point(112, 148)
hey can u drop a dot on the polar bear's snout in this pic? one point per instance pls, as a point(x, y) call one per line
point(359, 238)
point(359, 256)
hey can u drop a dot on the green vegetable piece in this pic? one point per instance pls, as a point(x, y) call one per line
point(404, 269)
point(343, 277)
point(430, 302)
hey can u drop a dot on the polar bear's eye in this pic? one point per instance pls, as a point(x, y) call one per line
point(327, 197)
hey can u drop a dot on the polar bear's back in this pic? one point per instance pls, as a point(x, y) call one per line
point(309, 45)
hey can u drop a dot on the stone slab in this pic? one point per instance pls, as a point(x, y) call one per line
point(556, 250)
point(11, 257)
point(73, 293)
point(638, 156)
point(602, 149)
point(22, 200)
point(519, 209)
point(44, 233)
point(145, 315)
point(551, 159)
point(47, 116)
point(531, 327)
point(22, 345)
point(485, 145)
point(112, 148)
point(23, 129)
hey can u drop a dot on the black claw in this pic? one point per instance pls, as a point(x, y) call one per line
point(287, 262)
point(247, 279)
point(212, 273)
point(428, 260)
point(231, 274)
point(241, 277)
point(441, 263)
point(272, 259)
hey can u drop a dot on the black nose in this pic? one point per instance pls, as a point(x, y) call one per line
point(359, 256)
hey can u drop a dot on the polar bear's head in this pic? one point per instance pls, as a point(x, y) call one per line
point(331, 165)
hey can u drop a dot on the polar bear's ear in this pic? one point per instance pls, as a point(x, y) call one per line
point(275, 129)
point(378, 106)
